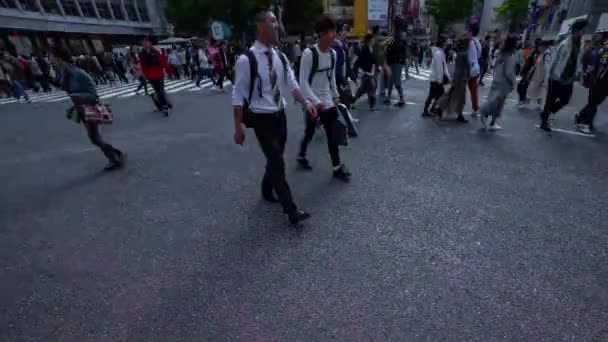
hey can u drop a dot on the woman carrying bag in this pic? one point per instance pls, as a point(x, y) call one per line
point(504, 82)
point(81, 89)
point(453, 102)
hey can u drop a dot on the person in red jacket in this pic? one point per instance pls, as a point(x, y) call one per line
point(153, 65)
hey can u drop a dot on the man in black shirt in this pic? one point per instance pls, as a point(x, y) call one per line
point(366, 63)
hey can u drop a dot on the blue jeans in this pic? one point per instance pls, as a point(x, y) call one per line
point(20, 90)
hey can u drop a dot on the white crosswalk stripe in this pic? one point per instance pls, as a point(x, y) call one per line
point(424, 75)
point(120, 91)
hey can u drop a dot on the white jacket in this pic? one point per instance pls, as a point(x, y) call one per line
point(560, 59)
point(438, 66)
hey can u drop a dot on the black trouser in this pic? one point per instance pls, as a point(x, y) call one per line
point(435, 92)
point(44, 82)
point(112, 153)
point(142, 84)
point(271, 131)
point(522, 89)
point(220, 78)
point(161, 96)
point(597, 95)
point(121, 75)
point(328, 118)
point(484, 70)
point(558, 96)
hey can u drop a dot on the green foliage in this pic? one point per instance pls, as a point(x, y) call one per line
point(445, 12)
point(299, 16)
point(513, 11)
point(193, 16)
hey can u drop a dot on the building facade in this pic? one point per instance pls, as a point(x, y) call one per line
point(552, 17)
point(83, 26)
point(488, 22)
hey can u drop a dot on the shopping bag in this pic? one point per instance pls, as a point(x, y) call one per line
point(341, 132)
point(348, 120)
point(100, 113)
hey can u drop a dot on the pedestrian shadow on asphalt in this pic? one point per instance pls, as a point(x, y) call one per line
point(267, 222)
point(46, 197)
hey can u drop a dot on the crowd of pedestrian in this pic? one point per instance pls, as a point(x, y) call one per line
point(263, 75)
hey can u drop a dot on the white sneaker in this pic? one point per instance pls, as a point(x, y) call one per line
point(495, 127)
point(483, 122)
point(584, 129)
point(475, 114)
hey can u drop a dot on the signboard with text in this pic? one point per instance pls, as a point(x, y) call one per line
point(377, 10)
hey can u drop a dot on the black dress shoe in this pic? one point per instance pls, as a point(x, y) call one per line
point(342, 174)
point(304, 163)
point(113, 165)
point(461, 119)
point(545, 127)
point(298, 216)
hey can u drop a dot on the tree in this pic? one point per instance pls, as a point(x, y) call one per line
point(193, 16)
point(445, 12)
point(299, 16)
point(514, 12)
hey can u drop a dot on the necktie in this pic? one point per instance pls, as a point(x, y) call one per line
point(273, 79)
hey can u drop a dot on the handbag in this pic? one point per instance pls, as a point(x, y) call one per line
point(341, 132)
point(100, 113)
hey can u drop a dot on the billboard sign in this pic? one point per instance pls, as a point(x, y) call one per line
point(377, 10)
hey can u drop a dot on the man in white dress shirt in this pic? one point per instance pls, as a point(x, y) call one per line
point(261, 106)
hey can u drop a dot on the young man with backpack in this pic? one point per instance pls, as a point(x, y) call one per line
point(318, 84)
point(262, 79)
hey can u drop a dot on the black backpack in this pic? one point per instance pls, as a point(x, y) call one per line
point(253, 76)
point(315, 64)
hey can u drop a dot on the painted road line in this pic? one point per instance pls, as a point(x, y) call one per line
point(570, 132)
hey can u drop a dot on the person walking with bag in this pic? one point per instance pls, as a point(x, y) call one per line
point(565, 69)
point(454, 101)
point(598, 91)
point(318, 84)
point(366, 62)
point(81, 89)
point(439, 76)
point(503, 84)
point(537, 88)
point(262, 78)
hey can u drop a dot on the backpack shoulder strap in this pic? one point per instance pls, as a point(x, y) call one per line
point(253, 71)
point(284, 61)
point(315, 63)
point(333, 53)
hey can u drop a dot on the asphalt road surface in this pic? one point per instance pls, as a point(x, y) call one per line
point(446, 232)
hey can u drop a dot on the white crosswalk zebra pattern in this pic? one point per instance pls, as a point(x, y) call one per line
point(424, 75)
point(118, 90)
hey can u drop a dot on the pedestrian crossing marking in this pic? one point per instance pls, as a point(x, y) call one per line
point(116, 91)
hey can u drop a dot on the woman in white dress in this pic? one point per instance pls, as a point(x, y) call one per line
point(538, 82)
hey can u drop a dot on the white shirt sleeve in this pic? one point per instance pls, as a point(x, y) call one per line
point(240, 90)
point(305, 68)
point(333, 86)
point(437, 67)
point(290, 82)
